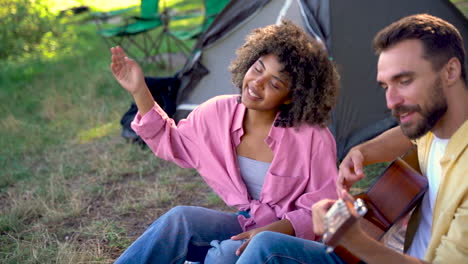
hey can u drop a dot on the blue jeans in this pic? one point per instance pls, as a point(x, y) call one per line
point(269, 247)
point(187, 233)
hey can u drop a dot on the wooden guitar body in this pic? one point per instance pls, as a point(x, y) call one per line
point(395, 193)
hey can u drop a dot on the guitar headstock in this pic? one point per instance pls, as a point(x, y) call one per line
point(339, 218)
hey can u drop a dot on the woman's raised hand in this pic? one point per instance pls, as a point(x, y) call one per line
point(126, 71)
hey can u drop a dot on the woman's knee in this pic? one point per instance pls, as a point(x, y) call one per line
point(266, 241)
point(223, 251)
point(175, 217)
point(181, 211)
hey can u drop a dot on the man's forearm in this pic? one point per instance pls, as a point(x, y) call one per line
point(372, 251)
point(386, 147)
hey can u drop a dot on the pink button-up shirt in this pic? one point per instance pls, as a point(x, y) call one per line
point(303, 170)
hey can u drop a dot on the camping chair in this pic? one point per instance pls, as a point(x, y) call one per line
point(137, 35)
point(212, 9)
point(103, 17)
point(124, 35)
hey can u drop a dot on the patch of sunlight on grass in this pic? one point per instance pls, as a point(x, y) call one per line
point(102, 5)
point(97, 132)
point(106, 5)
point(10, 123)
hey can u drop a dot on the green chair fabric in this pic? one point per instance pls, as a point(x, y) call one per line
point(212, 9)
point(102, 17)
point(149, 9)
point(148, 19)
point(136, 34)
point(148, 35)
point(132, 28)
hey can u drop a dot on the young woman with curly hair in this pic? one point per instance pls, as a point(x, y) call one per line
point(267, 152)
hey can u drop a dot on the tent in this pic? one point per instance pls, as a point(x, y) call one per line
point(345, 27)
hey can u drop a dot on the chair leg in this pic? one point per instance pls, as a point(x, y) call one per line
point(169, 57)
point(180, 44)
point(151, 45)
point(156, 43)
point(148, 47)
point(164, 56)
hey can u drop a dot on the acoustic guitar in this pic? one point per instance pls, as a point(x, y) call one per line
point(394, 194)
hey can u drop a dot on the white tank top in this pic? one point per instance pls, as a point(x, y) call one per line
point(253, 173)
point(434, 173)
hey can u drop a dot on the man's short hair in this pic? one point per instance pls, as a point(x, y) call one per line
point(440, 39)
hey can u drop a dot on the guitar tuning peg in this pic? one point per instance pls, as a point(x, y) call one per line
point(360, 206)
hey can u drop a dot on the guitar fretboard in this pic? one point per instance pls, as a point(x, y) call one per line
point(336, 216)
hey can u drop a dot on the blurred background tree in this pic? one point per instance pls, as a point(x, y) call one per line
point(27, 26)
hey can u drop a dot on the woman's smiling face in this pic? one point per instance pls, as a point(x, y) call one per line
point(266, 85)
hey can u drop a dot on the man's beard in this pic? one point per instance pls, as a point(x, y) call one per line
point(437, 107)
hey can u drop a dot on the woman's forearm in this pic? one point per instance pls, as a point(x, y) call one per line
point(144, 100)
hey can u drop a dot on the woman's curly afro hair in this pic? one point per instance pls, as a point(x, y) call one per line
point(314, 79)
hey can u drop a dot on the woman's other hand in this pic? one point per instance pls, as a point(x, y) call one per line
point(126, 71)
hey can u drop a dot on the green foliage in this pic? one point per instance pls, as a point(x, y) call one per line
point(48, 99)
point(62, 159)
point(26, 26)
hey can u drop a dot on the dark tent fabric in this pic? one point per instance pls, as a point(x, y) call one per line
point(164, 92)
point(346, 28)
point(361, 111)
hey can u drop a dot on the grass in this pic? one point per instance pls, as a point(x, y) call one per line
point(71, 189)
point(372, 172)
point(462, 5)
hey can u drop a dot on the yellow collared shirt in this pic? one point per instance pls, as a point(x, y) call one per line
point(449, 239)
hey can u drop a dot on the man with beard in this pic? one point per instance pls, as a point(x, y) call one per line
point(421, 67)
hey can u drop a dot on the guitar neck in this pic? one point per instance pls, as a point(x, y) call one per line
point(394, 194)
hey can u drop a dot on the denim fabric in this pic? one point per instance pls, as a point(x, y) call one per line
point(269, 247)
point(185, 233)
point(223, 252)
